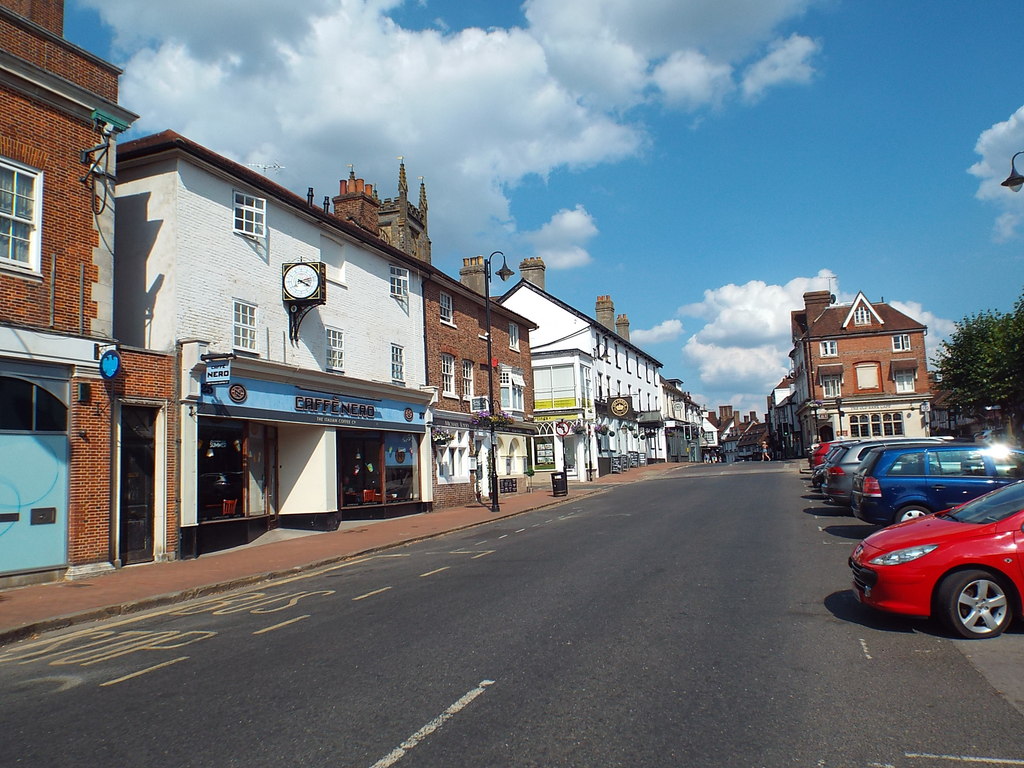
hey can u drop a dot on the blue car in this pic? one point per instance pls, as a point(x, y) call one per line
point(894, 484)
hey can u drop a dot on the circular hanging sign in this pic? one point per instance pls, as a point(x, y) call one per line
point(110, 364)
point(562, 428)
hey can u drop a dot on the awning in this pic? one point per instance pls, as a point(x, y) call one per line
point(650, 418)
point(905, 364)
point(835, 369)
point(518, 380)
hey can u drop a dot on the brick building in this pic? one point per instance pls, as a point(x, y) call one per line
point(859, 370)
point(83, 424)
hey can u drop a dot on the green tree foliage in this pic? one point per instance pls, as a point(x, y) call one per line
point(982, 364)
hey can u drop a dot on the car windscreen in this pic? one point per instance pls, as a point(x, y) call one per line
point(991, 507)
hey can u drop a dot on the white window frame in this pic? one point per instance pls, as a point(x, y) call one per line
point(862, 316)
point(399, 283)
point(832, 385)
point(901, 342)
point(829, 348)
point(334, 343)
point(513, 336)
point(448, 375)
point(904, 380)
point(249, 215)
point(468, 386)
point(244, 316)
point(397, 363)
point(14, 220)
point(447, 308)
point(513, 389)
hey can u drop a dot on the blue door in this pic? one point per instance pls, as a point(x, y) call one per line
point(33, 502)
point(33, 476)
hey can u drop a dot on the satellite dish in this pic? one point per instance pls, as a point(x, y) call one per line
point(831, 298)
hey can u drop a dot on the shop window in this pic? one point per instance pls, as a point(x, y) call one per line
point(237, 463)
point(376, 468)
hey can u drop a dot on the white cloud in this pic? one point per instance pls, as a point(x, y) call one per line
point(939, 328)
point(662, 332)
point(786, 63)
point(997, 145)
point(560, 241)
point(318, 85)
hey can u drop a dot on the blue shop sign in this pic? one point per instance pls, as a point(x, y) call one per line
point(274, 401)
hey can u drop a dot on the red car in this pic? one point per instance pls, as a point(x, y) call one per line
point(962, 566)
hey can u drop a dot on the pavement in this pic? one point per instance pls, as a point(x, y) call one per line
point(31, 610)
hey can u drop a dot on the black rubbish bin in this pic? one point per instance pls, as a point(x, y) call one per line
point(559, 484)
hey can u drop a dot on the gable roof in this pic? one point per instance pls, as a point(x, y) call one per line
point(527, 285)
point(835, 321)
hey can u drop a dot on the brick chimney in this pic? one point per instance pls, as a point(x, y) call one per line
point(816, 302)
point(357, 203)
point(724, 413)
point(622, 326)
point(532, 271)
point(473, 274)
point(48, 14)
point(605, 312)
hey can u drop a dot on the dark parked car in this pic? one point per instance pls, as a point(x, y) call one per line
point(894, 484)
point(840, 466)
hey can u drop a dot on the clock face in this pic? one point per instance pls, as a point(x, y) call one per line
point(301, 281)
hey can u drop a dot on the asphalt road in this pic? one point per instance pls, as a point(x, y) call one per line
point(699, 620)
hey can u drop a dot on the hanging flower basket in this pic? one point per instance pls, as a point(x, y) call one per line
point(579, 429)
point(484, 419)
point(601, 429)
point(440, 436)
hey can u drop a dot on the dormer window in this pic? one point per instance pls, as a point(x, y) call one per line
point(861, 316)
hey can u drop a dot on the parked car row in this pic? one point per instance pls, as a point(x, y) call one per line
point(953, 549)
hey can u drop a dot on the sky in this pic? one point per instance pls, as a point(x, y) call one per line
point(702, 162)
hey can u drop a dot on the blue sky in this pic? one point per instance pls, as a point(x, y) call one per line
point(704, 162)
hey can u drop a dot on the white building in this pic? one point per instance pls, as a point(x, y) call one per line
point(597, 397)
point(684, 423)
point(301, 388)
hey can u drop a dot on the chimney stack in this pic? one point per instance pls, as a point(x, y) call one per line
point(816, 302)
point(357, 203)
point(605, 312)
point(622, 326)
point(473, 274)
point(532, 271)
point(724, 413)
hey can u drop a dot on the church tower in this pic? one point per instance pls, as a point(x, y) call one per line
point(404, 225)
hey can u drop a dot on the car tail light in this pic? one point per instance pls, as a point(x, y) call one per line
point(835, 471)
point(871, 487)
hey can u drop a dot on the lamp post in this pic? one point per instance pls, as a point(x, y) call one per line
point(1014, 181)
point(815, 405)
point(504, 273)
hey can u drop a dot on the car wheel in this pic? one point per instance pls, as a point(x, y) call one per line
point(974, 604)
point(909, 513)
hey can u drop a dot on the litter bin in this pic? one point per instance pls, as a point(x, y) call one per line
point(559, 484)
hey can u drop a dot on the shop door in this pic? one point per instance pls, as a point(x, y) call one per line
point(138, 469)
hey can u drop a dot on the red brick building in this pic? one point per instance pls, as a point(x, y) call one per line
point(71, 501)
point(860, 369)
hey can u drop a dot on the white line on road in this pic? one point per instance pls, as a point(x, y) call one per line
point(965, 759)
point(143, 671)
point(399, 752)
point(864, 647)
point(371, 594)
point(282, 624)
point(431, 573)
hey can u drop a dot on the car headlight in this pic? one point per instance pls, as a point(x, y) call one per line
point(901, 556)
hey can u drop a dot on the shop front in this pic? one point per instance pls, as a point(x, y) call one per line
point(267, 447)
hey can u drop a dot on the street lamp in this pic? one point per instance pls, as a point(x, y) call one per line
point(1014, 181)
point(815, 405)
point(504, 273)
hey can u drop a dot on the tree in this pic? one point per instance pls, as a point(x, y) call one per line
point(982, 365)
